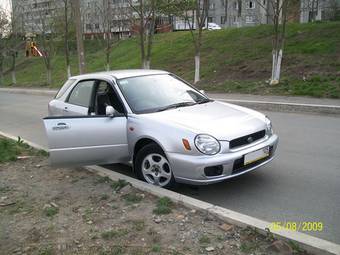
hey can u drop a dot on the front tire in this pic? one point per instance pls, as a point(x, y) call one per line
point(152, 166)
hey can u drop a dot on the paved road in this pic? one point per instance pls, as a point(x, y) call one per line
point(301, 184)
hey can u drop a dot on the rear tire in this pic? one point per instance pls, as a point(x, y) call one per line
point(152, 166)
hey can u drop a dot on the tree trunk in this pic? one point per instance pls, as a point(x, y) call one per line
point(147, 64)
point(197, 67)
point(67, 51)
point(49, 76)
point(1, 70)
point(108, 52)
point(276, 68)
point(14, 80)
point(79, 35)
point(150, 37)
point(68, 71)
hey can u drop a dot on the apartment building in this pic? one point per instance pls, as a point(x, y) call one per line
point(315, 10)
point(32, 16)
point(108, 17)
point(238, 13)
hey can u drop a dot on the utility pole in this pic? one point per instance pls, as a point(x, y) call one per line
point(79, 33)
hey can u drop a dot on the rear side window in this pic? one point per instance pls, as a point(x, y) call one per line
point(81, 94)
point(65, 87)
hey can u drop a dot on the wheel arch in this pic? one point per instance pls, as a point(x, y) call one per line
point(142, 142)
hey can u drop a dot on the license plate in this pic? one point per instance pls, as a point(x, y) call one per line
point(256, 155)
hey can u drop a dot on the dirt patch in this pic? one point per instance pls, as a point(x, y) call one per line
point(46, 210)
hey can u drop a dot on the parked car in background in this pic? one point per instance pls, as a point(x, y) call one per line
point(213, 26)
point(168, 130)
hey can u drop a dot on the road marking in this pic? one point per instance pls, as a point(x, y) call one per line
point(278, 103)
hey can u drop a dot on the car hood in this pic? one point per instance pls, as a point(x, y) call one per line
point(221, 120)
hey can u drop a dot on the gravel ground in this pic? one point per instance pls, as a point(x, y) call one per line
point(45, 210)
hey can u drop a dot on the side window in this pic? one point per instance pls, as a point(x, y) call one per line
point(65, 87)
point(105, 95)
point(81, 94)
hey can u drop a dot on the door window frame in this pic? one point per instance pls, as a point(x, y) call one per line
point(92, 98)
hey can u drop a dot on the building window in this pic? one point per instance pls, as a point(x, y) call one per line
point(234, 19)
point(96, 26)
point(212, 6)
point(210, 19)
point(235, 5)
point(249, 19)
point(223, 19)
point(88, 26)
point(250, 5)
point(264, 2)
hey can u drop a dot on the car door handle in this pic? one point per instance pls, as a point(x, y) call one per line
point(65, 109)
point(60, 126)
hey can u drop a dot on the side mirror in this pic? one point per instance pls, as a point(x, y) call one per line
point(110, 111)
point(202, 91)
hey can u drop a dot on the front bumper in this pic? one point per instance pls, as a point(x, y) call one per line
point(189, 169)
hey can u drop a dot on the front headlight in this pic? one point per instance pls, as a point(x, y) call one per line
point(269, 126)
point(207, 144)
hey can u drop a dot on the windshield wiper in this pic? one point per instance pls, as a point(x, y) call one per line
point(205, 100)
point(177, 105)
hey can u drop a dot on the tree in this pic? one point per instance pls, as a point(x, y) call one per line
point(4, 26)
point(79, 33)
point(44, 25)
point(201, 17)
point(277, 10)
point(109, 23)
point(195, 13)
point(145, 14)
point(66, 21)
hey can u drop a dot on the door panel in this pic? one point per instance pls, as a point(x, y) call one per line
point(87, 140)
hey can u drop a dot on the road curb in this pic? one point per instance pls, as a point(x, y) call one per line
point(285, 106)
point(38, 92)
point(260, 105)
point(309, 243)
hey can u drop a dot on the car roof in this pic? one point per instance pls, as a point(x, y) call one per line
point(121, 74)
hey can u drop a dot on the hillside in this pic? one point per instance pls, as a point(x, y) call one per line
point(233, 60)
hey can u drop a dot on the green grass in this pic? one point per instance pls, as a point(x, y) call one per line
point(132, 198)
point(118, 185)
point(51, 211)
point(163, 206)
point(138, 225)
point(156, 248)
point(10, 150)
point(204, 240)
point(108, 235)
point(233, 60)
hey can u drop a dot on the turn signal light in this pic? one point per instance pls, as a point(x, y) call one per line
point(186, 144)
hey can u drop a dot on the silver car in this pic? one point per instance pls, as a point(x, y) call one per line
point(168, 130)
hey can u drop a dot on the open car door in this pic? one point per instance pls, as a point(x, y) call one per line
point(87, 140)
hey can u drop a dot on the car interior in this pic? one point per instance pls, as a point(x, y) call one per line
point(104, 96)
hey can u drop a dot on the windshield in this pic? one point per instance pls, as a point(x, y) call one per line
point(153, 93)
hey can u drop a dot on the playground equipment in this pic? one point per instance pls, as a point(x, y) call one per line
point(32, 49)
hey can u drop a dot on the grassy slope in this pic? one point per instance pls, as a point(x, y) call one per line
point(233, 60)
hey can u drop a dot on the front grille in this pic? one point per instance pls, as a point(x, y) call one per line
point(247, 139)
point(239, 166)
